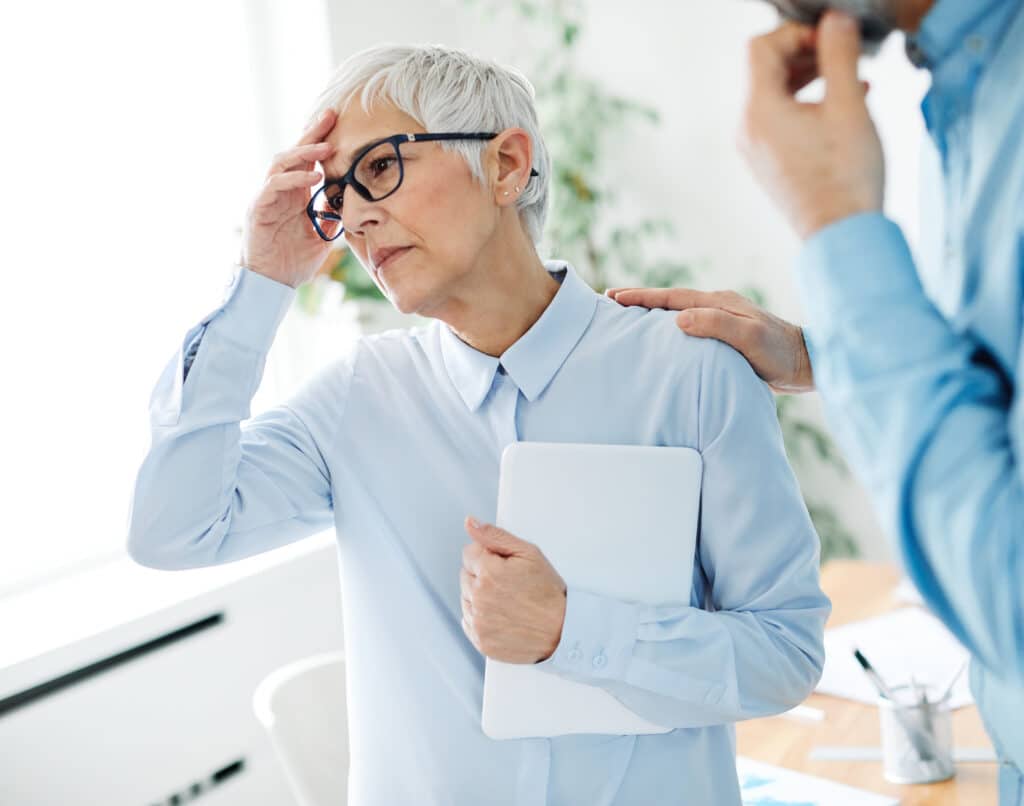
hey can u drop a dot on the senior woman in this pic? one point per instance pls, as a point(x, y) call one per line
point(436, 175)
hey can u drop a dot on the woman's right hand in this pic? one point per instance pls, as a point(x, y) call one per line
point(278, 239)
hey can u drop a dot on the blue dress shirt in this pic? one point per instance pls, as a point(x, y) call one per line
point(398, 442)
point(918, 367)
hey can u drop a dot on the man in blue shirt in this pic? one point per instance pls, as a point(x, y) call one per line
point(917, 364)
point(397, 443)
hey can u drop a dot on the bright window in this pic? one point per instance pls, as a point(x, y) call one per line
point(135, 135)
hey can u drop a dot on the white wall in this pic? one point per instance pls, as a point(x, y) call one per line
point(687, 59)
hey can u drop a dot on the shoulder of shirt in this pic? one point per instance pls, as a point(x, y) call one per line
point(391, 346)
point(649, 330)
point(688, 358)
point(380, 348)
point(397, 337)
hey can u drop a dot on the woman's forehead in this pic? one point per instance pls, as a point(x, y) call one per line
point(356, 128)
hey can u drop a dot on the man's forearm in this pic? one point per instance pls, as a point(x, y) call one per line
point(925, 425)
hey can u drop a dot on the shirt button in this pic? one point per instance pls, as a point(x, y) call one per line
point(599, 661)
point(575, 655)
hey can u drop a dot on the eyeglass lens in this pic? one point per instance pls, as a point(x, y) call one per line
point(378, 171)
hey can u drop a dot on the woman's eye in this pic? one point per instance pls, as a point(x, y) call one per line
point(381, 164)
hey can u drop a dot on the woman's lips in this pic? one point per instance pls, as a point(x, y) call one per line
point(391, 258)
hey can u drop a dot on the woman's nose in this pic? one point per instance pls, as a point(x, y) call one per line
point(358, 213)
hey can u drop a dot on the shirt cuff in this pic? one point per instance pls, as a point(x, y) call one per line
point(598, 637)
point(856, 262)
point(253, 309)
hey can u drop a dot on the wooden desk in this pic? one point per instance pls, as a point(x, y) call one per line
point(860, 590)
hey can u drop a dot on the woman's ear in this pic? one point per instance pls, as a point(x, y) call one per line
point(511, 159)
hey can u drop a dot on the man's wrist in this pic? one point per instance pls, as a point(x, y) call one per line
point(804, 378)
point(825, 215)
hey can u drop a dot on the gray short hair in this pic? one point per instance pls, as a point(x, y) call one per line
point(445, 89)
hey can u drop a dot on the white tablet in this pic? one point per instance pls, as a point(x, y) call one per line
point(616, 520)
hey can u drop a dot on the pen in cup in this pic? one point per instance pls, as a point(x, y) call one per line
point(921, 698)
point(921, 742)
point(949, 686)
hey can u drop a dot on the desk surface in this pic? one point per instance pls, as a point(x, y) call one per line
point(860, 590)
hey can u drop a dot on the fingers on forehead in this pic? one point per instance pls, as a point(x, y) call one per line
point(319, 130)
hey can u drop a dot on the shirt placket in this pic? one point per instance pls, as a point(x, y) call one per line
point(502, 411)
point(535, 763)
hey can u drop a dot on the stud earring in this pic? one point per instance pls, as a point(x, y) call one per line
point(517, 188)
point(506, 192)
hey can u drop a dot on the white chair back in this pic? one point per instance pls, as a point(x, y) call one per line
point(302, 706)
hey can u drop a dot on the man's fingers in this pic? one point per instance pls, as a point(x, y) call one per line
point(797, 81)
point(319, 128)
point(676, 299)
point(714, 323)
point(772, 55)
point(802, 71)
point(838, 54)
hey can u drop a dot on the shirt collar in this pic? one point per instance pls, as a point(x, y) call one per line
point(954, 25)
point(535, 358)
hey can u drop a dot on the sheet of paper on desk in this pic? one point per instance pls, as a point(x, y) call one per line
point(907, 593)
point(899, 644)
point(765, 785)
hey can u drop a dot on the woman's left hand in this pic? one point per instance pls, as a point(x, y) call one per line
point(513, 600)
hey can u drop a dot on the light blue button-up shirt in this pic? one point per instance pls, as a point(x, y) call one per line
point(918, 367)
point(396, 443)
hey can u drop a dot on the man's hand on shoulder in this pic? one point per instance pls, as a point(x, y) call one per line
point(774, 347)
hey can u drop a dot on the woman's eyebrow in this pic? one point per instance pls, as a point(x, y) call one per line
point(351, 157)
point(355, 151)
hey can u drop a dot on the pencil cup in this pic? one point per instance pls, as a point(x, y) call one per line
point(917, 736)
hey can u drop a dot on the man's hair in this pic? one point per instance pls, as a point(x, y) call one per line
point(445, 89)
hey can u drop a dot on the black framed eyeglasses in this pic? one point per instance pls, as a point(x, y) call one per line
point(377, 171)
